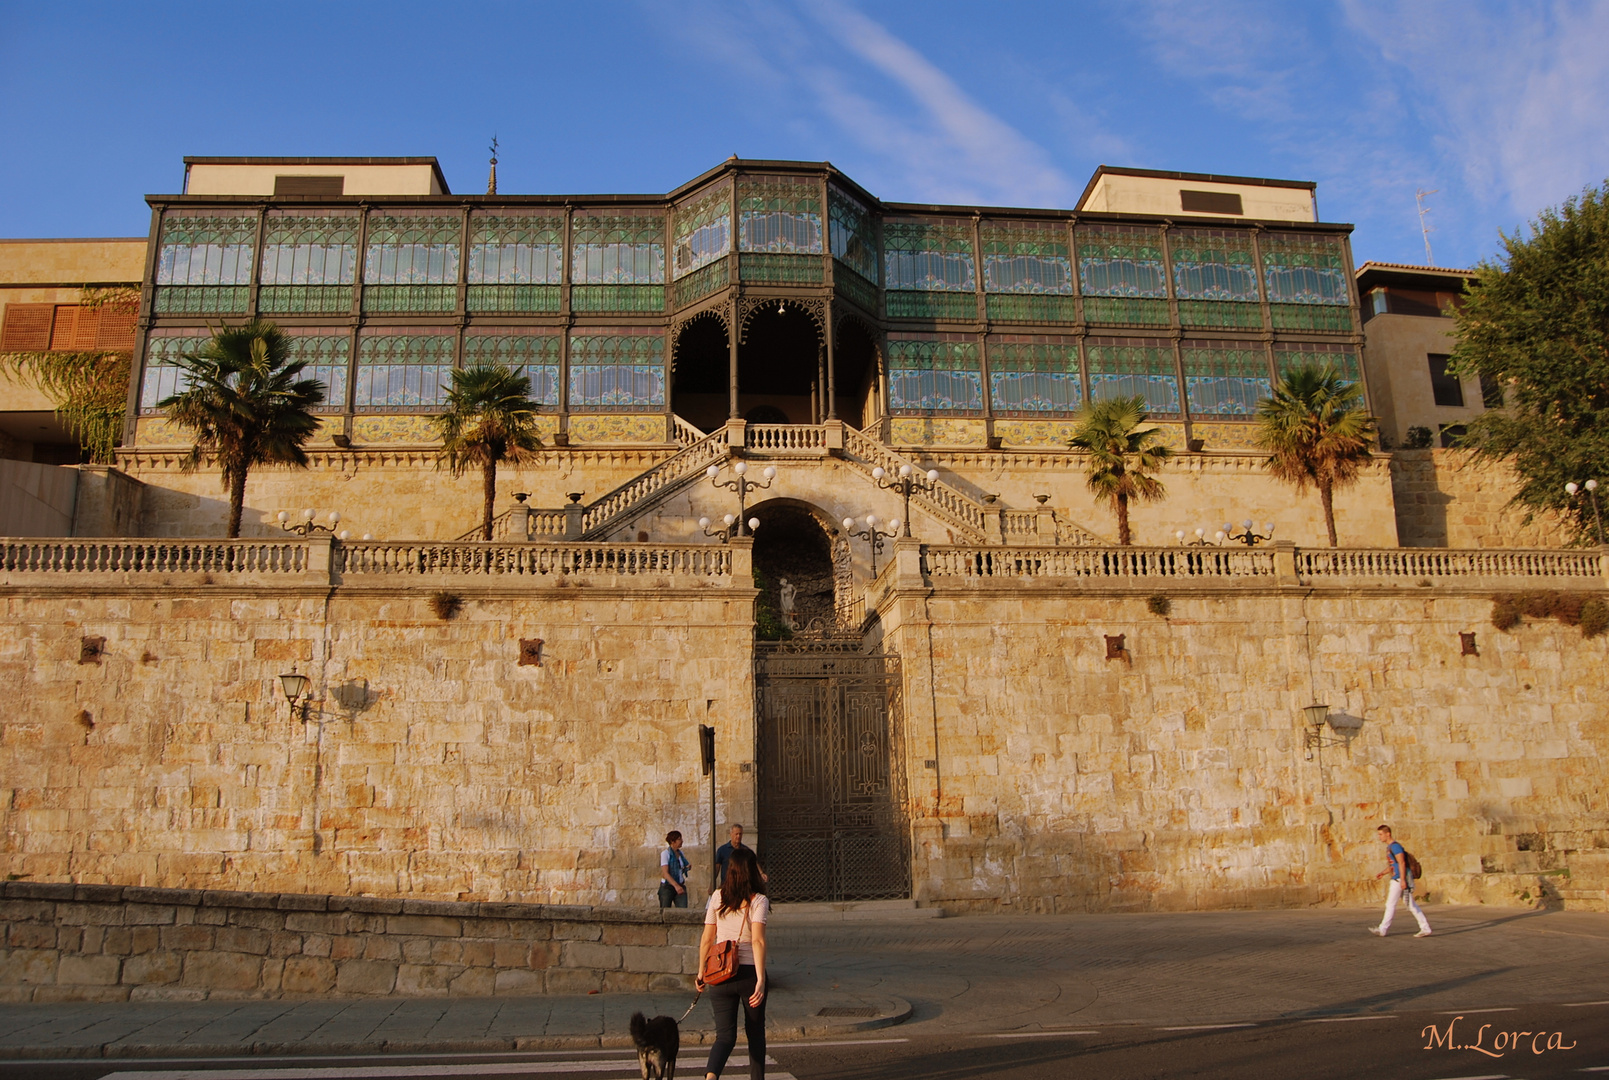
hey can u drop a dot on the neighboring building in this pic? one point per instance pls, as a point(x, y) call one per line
point(43, 285)
point(1408, 324)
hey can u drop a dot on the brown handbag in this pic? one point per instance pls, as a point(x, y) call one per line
point(720, 963)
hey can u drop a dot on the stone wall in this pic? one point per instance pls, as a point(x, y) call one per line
point(104, 943)
point(1446, 498)
point(1175, 776)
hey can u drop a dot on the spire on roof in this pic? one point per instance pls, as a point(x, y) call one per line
point(491, 180)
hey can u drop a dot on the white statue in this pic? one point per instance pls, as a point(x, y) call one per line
point(786, 594)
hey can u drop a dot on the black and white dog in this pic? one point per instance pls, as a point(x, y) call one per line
point(657, 1042)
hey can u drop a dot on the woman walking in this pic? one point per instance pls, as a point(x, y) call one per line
point(737, 911)
point(673, 867)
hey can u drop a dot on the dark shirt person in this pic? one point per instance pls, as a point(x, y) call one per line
point(723, 854)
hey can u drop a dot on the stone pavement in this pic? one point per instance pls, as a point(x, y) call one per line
point(974, 974)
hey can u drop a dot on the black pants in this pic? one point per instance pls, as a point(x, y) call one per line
point(725, 997)
point(669, 897)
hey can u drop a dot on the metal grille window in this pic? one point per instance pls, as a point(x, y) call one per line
point(1121, 260)
point(1214, 264)
point(623, 370)
point(163, 377)
point(852, 234)
point(1225, 378)
point(403, 369)
point(327, 358)
point(780, 215)
point(935, 373)
point(515, 249)
point(536, 356)
point(928, 256)
point(1026, 257)
point(625, 249)
point(412, 249)
point(1124, 367)
point(1289, 355)
point(703, 231)
point(1304, 269)
point(316, 248)
point(1034, 375)
point(206, 249)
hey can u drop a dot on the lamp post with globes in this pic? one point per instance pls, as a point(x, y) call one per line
point(1591, 488)
point(1246, 535)
point(1201, 538)
point(872, 535)
point(741, 484)
point(905, 481)
point(724, 530)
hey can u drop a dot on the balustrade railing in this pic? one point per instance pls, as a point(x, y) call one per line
point(403, 559)
point(1125, 563)
point(684, 433)
point(154, 556)
point(953, 506)
point(542, 523)
point(785, 437)
point(686, 463)
point(1441, 564)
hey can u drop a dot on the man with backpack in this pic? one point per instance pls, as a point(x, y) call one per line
point(1404, 869)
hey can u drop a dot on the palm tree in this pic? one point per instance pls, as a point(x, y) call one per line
point(246, 406)
point(1121, 455)
point(1317, 432)
point(490, 418)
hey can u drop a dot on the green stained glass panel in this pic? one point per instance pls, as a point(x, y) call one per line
point(1026, 257)
point(701, 283)
point(931, 305)
point(163, 377)
point(928, 256)
point(1214, 264)
point(409, 298)
point(516, 250)
point(852, 233)
point(1311, 317)
point(403, 371)
point(1127, 367)
point(1121, 262)
point(619, 372)
point(327, 358)
point(206, 250)
point(1031, 309)
point(781, 215)
point(311, 249)
point(513, 299)
point(536, 356)
point(201, 299)
point(1304, 269)
point(1126, 311)
point(1034, 378)
point(703, 230)
point(783, 269)
point(1225, 314)
point(934, 375)
point(412, 250)
point(1225, 379)
point(1292, 355)
point(617, 298)
point(851, 286)
point(624, 249)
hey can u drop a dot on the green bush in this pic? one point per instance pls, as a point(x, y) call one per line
point(1159, 605)
point(1505, 613)
point(1594, 618)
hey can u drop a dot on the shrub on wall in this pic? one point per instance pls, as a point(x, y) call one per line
point(1589, 613)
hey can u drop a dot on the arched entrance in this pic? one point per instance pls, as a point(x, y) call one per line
point(795, 545)
point(855, 369)
point(701, 372)
point(779, 362)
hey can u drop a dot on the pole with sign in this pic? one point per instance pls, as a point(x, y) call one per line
point(706, 750)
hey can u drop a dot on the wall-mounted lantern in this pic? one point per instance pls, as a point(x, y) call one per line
point(297, 688)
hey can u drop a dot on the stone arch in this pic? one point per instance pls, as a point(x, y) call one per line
point(858, 356)
point(701, 368)
point(781, 359)
point(800, 541)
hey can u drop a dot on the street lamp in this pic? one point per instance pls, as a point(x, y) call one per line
point(307, 526)
point(741, 484)
point(725, 529)
point(1591, 486)
point(1201, 538)
point(872, 535)
point(906, 481)
point(296, 689)
point(1246, 535)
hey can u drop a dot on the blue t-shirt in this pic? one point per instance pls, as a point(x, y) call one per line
point(1392, 851)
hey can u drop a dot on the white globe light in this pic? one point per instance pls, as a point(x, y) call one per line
point(878, 473)
point(713, 471)
point(728, 518)
point(1228, 528)
point(368, 536)
point(871, 521)
point(1268, 527)
point(703, 523)
point(284, 515)
point(1592, 485)
point(346, 534)
point(1247, 523)
point(308, 515)
point(894, 525)
point(1220, 537)
point(335, 517)
point(770, 472)
point(1179, 536)
point(932, 476)
point(1201, 532)
point(741, 467)
point(754, 523)
point(1570, 489)
point(905, 470)
point(849, 523)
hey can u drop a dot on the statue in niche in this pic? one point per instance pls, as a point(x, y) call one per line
point(786, 595)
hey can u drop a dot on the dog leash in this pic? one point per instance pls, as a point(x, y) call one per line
point(691, 1007)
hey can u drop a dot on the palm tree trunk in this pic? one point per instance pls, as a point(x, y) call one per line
point(488, 474)
point(1123, 536)
point(237, 501)
point(1326, 494)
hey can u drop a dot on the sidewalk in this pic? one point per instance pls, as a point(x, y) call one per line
point(977, 974)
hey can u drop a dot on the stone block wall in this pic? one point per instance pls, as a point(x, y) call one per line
point(1445, 498)
point(64, 942)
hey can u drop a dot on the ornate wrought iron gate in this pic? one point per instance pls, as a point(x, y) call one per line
point(831, 780)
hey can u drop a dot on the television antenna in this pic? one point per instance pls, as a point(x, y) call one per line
point(1424, 226)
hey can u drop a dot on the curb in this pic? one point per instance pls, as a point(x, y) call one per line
point(897, 1012)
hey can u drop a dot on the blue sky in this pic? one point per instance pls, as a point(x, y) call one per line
point(1503, 108)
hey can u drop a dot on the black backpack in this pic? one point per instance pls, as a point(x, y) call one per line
point(1413, 864)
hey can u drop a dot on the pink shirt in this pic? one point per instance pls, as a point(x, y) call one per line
point(731, 925)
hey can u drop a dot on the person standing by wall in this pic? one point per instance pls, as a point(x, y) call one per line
point(1401, 886)
point(724, 852)
point(738, 911)
point(673, 867)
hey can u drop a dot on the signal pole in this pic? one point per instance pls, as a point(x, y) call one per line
point(706, 752)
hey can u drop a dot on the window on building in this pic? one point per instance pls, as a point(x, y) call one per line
point(935, 257)
point(1026, 257)
point(403, 369)
point(1289, 355)
point(1447, 387)
point(309, 185)
point(1225, 378)
point(1210, 202)
point(1034, 375)
point(779, 214)
point(1450, 434)
point(1121, 261)
point(853, 237)
point(163, 377)
point(534, 355)
point(934, 373)
point(68, 328)
point(621, 249)
point(325, 352)
point(1491, 393)
point(1124, 367)
point(621, 370)
point(703, 230)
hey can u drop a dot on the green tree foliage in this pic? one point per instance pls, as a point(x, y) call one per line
point(490, 418)
point(90, 389)
point(1536, 322)
point(1317, 432)
point(245, 406)
point(1122, 455)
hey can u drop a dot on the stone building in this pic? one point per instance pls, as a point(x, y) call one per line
point(986, 706)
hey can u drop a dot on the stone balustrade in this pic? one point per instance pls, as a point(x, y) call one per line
point(67, 942)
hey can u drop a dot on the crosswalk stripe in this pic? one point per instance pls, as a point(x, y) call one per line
point(623, 1066)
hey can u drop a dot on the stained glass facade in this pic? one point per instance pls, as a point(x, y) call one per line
point(163, 377)
point(327, 355)
point(622, 370)
point(1119, 260)
point(309, 261)
point(1026, 257)
point(623, 249)
point(411, 261)
point(779, 214)
point(1124, 367)
point(515, 262)
point(1225, 378)
point(852, 234)
point(1344, 358)
point(703, 230)
point(934, 373)
point(534, 355)
point(928, 256)
point(403, 369)
point(1306, 279)
point(204, 263)
point(1034, 376)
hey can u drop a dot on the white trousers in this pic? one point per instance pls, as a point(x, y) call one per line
point(1398, 893)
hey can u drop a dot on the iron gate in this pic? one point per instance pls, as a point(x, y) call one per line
point(831, 782)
